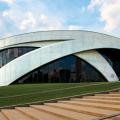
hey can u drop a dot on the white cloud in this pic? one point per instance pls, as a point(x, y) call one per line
point(74, 27)
point(50, 23)
point(5, 13)
point(28, 21)
point(94, 3)
point(8, 1)
point(109, 13)
point(32, 19)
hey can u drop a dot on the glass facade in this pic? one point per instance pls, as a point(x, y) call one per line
point(10, 54)
point(64, 70)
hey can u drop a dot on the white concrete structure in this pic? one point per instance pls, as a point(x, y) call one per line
point(53, 45)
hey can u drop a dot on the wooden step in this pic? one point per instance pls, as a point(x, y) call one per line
point(70, 115)
point(85, 108)
point(118, 117)
point(38, 115)
point(114, 102)
point(96, 105)
point(2, 116)
point(103, 98)
point(109, 95)
point(82, 109)
point(12, 114)
point(113, 118)
point(108, 119)
point(114, 92)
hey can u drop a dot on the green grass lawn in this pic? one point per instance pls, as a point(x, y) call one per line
point(26, 93)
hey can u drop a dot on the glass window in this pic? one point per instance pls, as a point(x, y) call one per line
point(16, 52)
point(4, 58)
point(10, 54)
point(66, 70)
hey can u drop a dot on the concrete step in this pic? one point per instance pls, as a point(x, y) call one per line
point(114, 102)
point(96, 105)
point(12, 114)
point(82, 109)
point(38, 115)
point(70, 115)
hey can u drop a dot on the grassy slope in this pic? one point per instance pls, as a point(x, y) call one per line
point(42, 92)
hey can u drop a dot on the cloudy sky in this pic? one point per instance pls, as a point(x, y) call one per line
point(21, 16)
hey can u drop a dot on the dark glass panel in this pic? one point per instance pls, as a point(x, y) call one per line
point(4, 58)
point(64, 70)
point(20, 51)
point(10, 54)
point(16, 52)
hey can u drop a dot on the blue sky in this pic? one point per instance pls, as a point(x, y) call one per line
point(21, 16)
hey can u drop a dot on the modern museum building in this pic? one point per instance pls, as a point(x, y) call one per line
point(60, 56)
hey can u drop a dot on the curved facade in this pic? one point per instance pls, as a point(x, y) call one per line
point(61, 56)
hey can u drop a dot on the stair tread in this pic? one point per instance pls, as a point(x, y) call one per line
point(101, 97)
point(2, 117)
point(83, 109)
point(96, 100)
point(101, 105)
point(66, 113)
point(13, 114)
point(112, 94)
point(36, 114)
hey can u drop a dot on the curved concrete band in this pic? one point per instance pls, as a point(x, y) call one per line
point(79, 43)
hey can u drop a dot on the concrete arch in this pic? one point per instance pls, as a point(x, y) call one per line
point(58, 35)
point(99, 63)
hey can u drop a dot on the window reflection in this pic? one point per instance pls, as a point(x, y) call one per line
point(10, 54)
point(65, 70)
